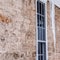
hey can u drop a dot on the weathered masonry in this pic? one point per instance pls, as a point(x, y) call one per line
point(29, 30)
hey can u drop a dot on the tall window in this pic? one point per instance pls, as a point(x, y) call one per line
point(41, 30)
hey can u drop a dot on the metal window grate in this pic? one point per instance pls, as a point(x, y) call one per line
point(41, 30)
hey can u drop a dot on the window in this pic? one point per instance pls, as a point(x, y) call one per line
point(41, 30)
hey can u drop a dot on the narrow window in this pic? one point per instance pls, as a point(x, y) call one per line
point(41, 30)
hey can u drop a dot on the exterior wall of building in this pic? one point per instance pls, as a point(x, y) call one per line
point(53, 52)
point(57, 24)
point(17, 30)
point(50, 38)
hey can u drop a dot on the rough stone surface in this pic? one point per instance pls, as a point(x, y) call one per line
point(50, 34)
point(17, 30)
point(57, 24)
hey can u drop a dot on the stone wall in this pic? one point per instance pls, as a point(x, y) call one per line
point(17, 30)
point(50, 38)
point(57, 24)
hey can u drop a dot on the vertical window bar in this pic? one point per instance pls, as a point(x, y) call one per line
point(43, 51)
